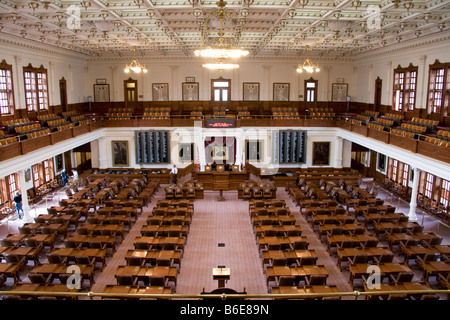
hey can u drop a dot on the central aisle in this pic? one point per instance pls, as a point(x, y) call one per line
point(215, 222)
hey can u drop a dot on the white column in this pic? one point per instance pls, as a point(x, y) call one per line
point(422, 96)
point(338, 152)
point(415, 189)
point(267, 92)
point(102, 154)
point(51, 83)
point(113, 83)
point(19, 86)
point(174, 76)
point(23, 191)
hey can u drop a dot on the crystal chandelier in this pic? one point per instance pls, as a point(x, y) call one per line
point(308, 66)
point(221, 51)
point(135, 66)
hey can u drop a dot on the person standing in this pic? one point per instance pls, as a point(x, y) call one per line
point(64, 177)
point(18, 202)
point(174, 173)
point(75, 177)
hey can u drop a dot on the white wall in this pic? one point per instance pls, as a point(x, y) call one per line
point(59, 63)
point(382, 62)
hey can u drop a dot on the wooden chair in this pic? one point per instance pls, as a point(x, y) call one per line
point(402, 277)
point(123, 280)
point(316, 279)
point(38, 278)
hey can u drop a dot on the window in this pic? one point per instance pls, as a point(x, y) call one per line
point(48, 170)
point(438, 88)
point(3, 191)
point(6, 89)
point(221, 89)
point(429, 185)
point(311, 90)
point(36, 88)
point(394, 170)
point(445, 192)
point(36, 180)
point(405, 174)
point(13, 185)
point(405, 82)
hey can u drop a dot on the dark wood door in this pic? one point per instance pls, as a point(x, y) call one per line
point(63, 94)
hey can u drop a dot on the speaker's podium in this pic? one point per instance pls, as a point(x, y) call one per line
point(221, 179)
point(222, 275)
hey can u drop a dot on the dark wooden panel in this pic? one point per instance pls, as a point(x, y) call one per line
point(404, 142)
point(382, 136)
point(61, 136)
point(153, 123)
point(120, 123)
point(433, 151)
point(35, 143)
point(10, 151)
point(319, 123)
point(359, 129)
point(253, 122)
point(95, 125)
point(79, 130)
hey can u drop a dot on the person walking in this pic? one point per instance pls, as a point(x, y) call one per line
point(18, 201)
point(174, 173)
point(64, 177)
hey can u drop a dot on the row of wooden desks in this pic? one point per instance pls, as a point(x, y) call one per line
point(347, 228)
point(161, 211)
point(27, 252)
point(304, 290)
point(179, 203)
point(391, 268)
point(357, 239)
point(345, 253)
point(109, 241)
point(332, 219)
point(45, 239)
point(56, 270)
point(98, 229)
point(396, 287)
point(274, 220)
point(150, 256)
point(54, 227)
point(434, 268)
point(170, 219)
point(72, 254)
point(273, 211)
point(163, 230)
point(291, 256)
point(67, 218)
point(312, 211)
point(416, 251)
point(387, 226)
point(62, 210)
point(158, 242)
point(118, 289)
point(283, 241)
point(370, 218)
point(11, 270)
point(299, 272)
point(396, 238)
point(105, 219)
point(279, 230)
point(128, 211)
point(32, 287)
point(144, 273)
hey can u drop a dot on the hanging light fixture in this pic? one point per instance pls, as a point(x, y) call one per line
point(221, 51)
point(135, 66)
point(307, 65)
point(221, 65)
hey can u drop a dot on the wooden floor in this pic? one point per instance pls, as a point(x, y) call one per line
point(226, 222)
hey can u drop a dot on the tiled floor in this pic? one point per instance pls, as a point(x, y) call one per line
point(225, 222)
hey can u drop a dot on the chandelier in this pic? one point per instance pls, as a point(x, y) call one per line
point(308, 66)
point(221, 51)
point(135, 66)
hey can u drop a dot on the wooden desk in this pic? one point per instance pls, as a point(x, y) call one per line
point(347, 228)
point(386, 217)
point(168, 220)
point(226, 180)
point(433, 268)
point(358, 239)
point(387, 226)
point(45, 239)
point(311, 211)
point(338, 218)
point(129, 211)
point(143, 273)
point(396, 238)
point(27, 252)
point(71, 254)
point(291, 256)
point(46, 288)
point(85, 240)
point(86, 271)
point(345, 253)
point(299, 272)
point(104, 219)
point(136, 203)
point(164, 230)
point(283, 241)
point(357, 270)
point(136, 290)
point(397, 287)
point(415, 251)
point(304, 290)
point(11, 270)
point(271, 211)
point(157, 242)
point(276, 220)
point(280, 230)
point(150, 256)
point(96, 228)
point(69, 219)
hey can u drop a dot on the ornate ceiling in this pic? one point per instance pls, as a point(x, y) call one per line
point(268, 29)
